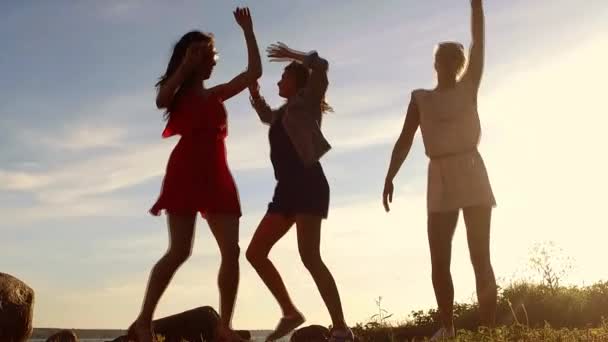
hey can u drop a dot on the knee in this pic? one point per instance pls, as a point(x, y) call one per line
point(312, 262)
point(231, 254)
point(178, 256)
point(254, 256)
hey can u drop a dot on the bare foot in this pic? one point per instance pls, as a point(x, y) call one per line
point(286, 325)
point(140, 332)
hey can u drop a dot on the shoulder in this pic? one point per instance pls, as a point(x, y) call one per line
point(216, 93)
point(419, 95)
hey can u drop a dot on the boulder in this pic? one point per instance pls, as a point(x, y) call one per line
point(16, 309)
point(196, 325)
point(63, 336)
point(311, 333)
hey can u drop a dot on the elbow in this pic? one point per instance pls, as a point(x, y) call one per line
point(316, 62)
point(403, 145)
point(161, 103)
point(254, 73)
point(324, 64)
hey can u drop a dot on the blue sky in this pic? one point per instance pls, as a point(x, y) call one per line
point(81, 158)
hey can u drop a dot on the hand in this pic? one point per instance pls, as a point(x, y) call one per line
point(387, 195)
point(279, 52)
point(254, 89)
point(194, 55)
point(243, 18)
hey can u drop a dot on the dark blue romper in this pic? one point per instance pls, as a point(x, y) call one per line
point(300, 189)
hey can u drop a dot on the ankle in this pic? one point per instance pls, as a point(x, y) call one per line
point(342, 326)
point(291, 312)
point(143, 320)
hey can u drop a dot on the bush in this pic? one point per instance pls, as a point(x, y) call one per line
point(532, 312)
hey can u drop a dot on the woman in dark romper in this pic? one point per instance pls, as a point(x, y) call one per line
point(301, 195)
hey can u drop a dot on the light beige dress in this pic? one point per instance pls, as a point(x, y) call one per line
point(449, 122)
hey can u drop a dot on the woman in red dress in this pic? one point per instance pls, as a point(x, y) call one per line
point(198, 179)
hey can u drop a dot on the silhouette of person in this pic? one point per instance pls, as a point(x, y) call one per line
point(301, 195)
point(197, 178)
point(457, 177)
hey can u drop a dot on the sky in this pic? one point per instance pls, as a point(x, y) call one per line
point(82, 159)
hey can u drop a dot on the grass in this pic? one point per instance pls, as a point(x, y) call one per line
point(502, 334)
point(526, 312)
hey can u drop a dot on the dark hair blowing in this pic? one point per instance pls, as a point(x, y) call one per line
point(177, 56)
point(301, 75)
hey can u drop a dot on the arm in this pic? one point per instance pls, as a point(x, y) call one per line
point(254, 66)
point(166, 91)
point(318, 82)
point(259, 104)
point(401, 150)
point(476, 54)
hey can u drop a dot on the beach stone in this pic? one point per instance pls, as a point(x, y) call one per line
point(196, 325)
point(63, 336)
point(311, 333)
point(16, 309)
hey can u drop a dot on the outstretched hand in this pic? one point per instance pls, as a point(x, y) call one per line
point(243, 18)
point(279, 52)
point(387, 195)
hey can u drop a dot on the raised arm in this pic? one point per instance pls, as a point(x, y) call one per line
point(318, 82)
point(259, 104)
point(401, 150)
point(254, 66)
point(168, 88)
point(476, 54)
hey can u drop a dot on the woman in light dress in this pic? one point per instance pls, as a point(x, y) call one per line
point(457, 177)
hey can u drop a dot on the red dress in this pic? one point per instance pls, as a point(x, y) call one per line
point(197, 177)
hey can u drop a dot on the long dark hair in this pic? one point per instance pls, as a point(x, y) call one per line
point(302, 74)
point(177, 56)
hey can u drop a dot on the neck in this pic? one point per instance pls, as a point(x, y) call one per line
point(197, 80)
point(445, 82)
point(197, 85)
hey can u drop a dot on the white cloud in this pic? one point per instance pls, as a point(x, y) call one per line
point(81, 138)
point(21, 181)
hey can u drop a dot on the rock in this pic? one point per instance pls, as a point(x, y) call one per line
point(196, 325)
point(190, 325)
point(311, 333)
point(16, 309)
point(63, 336)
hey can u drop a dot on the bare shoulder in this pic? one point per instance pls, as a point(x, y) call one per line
point(420, 94)
point(215, 90)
